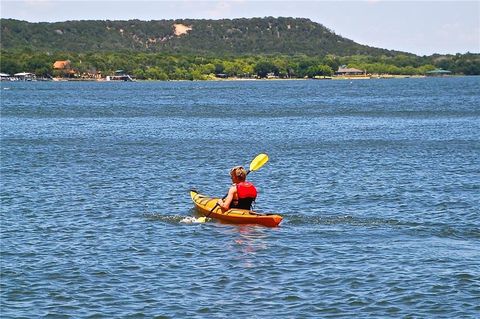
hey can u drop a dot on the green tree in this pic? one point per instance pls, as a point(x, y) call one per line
point(198, 75)
point(263, 68)
point(10, 65)
point(155, 73)
point(319, 70)
point(219, 68)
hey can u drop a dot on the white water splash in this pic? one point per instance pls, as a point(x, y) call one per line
point(193, 220)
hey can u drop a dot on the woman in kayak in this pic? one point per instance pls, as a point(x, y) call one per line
point(241, 194)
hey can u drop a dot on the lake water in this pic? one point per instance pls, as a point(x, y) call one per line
point(378, 182)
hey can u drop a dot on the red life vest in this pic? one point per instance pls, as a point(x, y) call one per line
point(246, 193)
point(246, 190)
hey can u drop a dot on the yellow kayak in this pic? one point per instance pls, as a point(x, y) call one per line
point(208, 206)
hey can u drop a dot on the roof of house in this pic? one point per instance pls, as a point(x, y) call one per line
point(348, 70)
point(61, 64)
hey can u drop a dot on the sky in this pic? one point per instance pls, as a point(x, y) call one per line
point(423, 27)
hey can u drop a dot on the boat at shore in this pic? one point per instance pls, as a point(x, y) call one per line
point(123, 77)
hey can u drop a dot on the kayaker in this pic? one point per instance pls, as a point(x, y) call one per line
point(241, 194)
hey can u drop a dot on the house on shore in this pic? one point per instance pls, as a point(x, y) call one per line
point(344, 71)
point(62, 65)
point(63, 69)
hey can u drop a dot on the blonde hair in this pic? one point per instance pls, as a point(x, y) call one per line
point(239, 173)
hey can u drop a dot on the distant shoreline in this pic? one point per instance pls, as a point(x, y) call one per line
point(334, 78)
point(233, 79)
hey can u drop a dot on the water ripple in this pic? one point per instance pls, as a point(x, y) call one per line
point(377, 181)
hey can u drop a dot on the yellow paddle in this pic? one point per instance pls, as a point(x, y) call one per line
point(258, 162)
point(255, 165)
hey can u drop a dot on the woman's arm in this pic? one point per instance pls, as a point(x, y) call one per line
point(225, 204)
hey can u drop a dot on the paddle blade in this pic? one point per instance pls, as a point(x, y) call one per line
point(258, 162)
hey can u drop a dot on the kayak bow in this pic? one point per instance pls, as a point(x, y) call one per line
point(207, 206)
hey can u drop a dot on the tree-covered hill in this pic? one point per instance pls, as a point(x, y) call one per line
point(206, 37)
point(202, 49)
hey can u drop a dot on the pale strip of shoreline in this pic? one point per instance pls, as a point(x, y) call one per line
point(335, 78)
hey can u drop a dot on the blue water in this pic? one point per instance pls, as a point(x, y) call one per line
point(378, 182)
